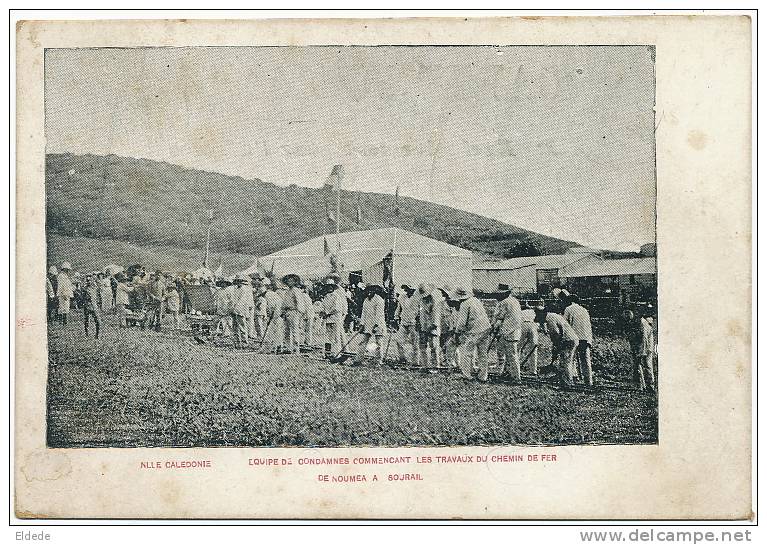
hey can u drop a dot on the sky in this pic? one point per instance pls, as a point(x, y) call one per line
point(558, 140)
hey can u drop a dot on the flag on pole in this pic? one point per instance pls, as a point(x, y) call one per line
point(396, 201)
point(333, 183)
point(326, 248)
point(334, 180)
point(207, 240)
point(220, 270)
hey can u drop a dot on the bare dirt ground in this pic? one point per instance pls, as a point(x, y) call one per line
point(136, 388)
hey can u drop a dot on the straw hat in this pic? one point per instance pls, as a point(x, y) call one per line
point(291, 276)
point(461, 293)
point(52, 270)
point(66, 266)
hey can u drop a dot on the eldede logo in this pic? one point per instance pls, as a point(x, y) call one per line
point(30, 535)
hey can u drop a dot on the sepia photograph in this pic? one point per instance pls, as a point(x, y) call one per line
point(330, 246)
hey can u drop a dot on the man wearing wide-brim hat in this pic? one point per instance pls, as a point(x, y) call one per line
point(408, 305)
point(156, 294)
point(259, 313)
point(528, 341)
point(333, 305)
point(333, 278)
point(293, 309)
point(65, 291)
point(472, 330)
point(429, 327)
point(507, 328)
point(372, 323)
point(241, 307)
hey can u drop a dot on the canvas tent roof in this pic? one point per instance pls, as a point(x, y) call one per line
point(555, 261)
point(596, 266)
point(417, 258)
point(113, 269)
point(203, 272)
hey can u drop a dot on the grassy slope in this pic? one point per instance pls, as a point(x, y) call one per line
point(151, 204)
point(88, 254)
point(138, 388)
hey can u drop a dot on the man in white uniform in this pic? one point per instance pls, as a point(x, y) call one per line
point(580, 320)
point(333, 305)
point(429, 327)
point(308, 316)
point(528, 342)
point(372, 324)
point(406, 313)
point(507, 327)
point(65, 290)
point(293, 309)
point(472, 329)
point(241, 296)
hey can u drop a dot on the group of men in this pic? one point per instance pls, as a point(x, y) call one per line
point(459, 328)
point(92, 293)
point(456, 330)
point(435, 328)
point(280, 317)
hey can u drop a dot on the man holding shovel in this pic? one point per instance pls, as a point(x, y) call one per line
point(241, 307)
point(528, 350)
point(429, 322)
point(333, 304)
point(507, 326)
point(580, 320)
point(472, 330)
point(372, 324)
point(563, 342)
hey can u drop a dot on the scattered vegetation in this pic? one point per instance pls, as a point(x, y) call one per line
point(141, 388)
point(150, 204)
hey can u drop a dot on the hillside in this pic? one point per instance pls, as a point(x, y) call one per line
point(90, 254)
point(149, 204)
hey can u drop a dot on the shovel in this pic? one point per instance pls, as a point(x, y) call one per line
point(340, 356)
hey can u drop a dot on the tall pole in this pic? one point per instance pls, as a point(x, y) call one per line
point(207, 239)
point(338, 212)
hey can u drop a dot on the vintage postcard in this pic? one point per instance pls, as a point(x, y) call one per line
point(384, 269)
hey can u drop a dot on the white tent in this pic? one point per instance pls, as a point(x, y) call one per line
point(412, 258)
point(203, 272)
point(113, 269)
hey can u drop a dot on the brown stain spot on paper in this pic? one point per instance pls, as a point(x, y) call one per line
point(21, 514)
point(45, 465)
point(736, 329)
point(697, 140)
point(33, 31)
